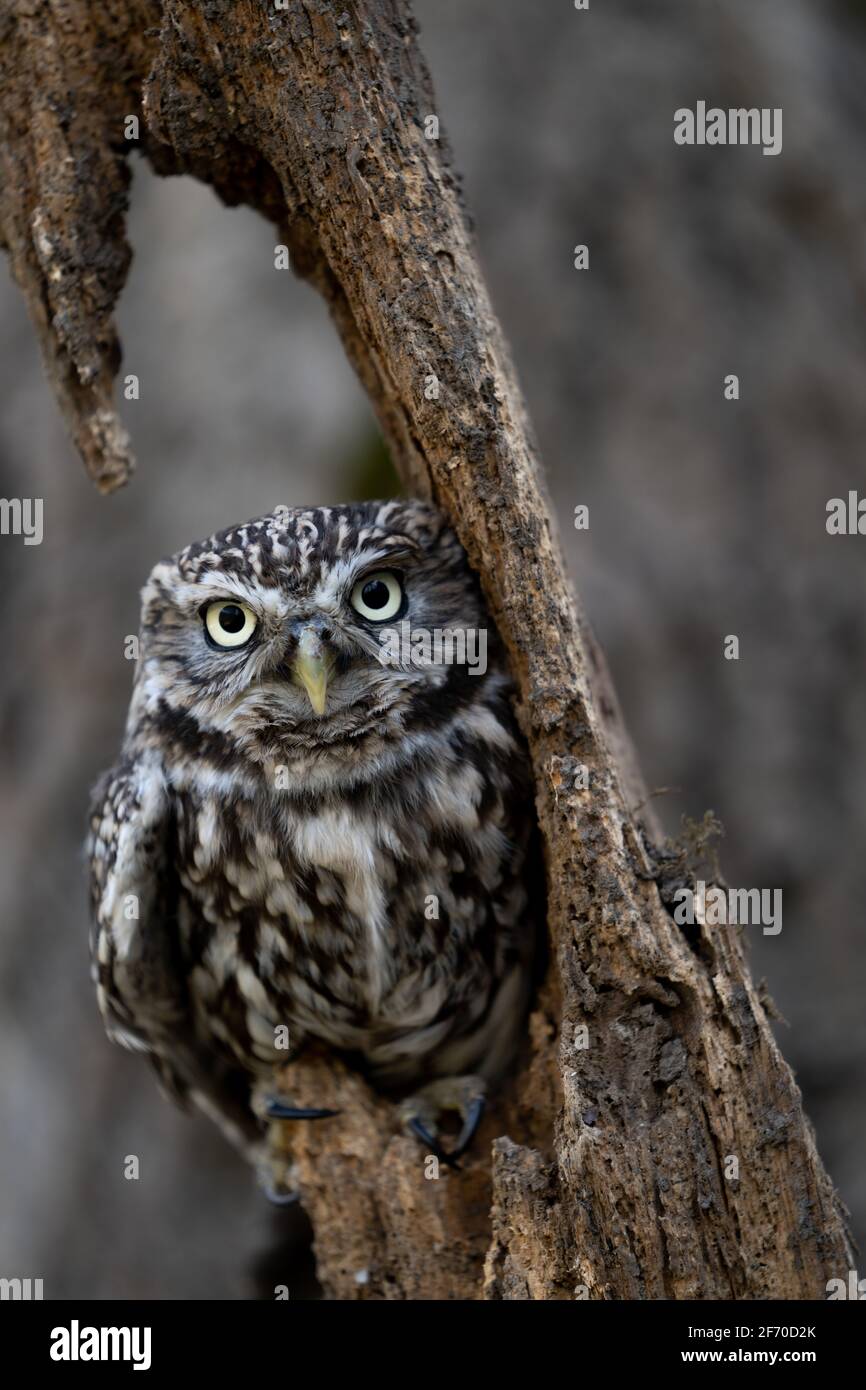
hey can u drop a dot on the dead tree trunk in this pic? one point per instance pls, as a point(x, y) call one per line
point(612, 1172)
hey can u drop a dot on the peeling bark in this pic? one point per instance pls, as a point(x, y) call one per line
point(602, 1172)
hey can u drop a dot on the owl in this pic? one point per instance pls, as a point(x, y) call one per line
point(318, 829)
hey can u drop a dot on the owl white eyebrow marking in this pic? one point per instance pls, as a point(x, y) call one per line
point(263, 598)
point(396, 544)
point(381, 559)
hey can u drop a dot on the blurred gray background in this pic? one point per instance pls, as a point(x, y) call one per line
point(707, 518)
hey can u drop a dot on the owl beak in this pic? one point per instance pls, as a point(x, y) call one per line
point(311, 668)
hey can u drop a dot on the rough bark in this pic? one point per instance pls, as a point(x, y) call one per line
point(602, 1173)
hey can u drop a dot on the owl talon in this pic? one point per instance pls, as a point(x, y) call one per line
point(467, 1095)
point(474, 1115)
point(281, 1199)
point(423, 1134)
point(277, 1109)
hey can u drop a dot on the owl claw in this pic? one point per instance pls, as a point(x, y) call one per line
point(277, 1109)
point(281, 1199)
point(474, 1115)
point(421, 1132)
point(464, 1094)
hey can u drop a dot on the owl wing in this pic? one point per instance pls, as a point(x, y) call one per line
point(135, 948)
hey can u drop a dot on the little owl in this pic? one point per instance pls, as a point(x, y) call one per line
point(312, 833)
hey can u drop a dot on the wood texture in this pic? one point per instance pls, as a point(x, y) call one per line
point(602, 1173)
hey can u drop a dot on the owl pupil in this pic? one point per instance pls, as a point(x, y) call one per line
point(375, 594)
point(232, 618)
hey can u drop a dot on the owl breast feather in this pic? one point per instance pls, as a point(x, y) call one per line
point(387, 920)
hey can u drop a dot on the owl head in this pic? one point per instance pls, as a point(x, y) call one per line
point(301, 627)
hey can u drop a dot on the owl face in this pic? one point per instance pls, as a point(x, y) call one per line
point(282, 629)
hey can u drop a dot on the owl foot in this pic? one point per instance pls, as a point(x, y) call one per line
point(463, 1095)
point(277, 1109)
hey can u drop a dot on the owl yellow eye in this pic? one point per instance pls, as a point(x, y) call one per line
point(230, 624)
point(378, 596)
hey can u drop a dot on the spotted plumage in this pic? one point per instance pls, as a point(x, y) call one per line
point(301, 835)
